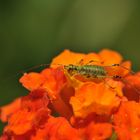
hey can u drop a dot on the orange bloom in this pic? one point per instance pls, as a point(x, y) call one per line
point(110, 57)
point(67, 57)
point(31, 114)
point(57, 129)
point(32, 81)
point(9, 109)
point(127, 121)
point(99, 131)
point(19, 124)
point(132, 87)
point(88, 107)
point(94, 98)
point(52, 81)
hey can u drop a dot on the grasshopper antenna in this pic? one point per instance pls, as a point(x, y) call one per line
point(32, 68)
point(24, 71)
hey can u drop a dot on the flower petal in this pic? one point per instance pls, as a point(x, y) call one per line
point(20, 122)
point(99, 131)
point(57, 129)
point(91, 97)
point(54, 80)
point(127, 121)
point(110, 57)
point(32, 80)
point(67, 57)
point(132, 87)
point(7, 110)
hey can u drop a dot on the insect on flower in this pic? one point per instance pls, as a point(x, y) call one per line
point(88, 71)
point(98, 73)
point(80, 93)
point(91, 71)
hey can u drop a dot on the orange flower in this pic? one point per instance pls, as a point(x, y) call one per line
point(127, 121)
point(36, 100)
point(88, 107)
point(99, 131)
point(53, 82)
point(132, 87)
point(19, 124)
point(9, 109)
point(57, 129)
point(32, 80)
point(67, 57)
point(94, 98)
point(110, 57)
point(32, 114)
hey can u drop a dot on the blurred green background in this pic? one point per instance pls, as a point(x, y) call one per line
point(32, 32)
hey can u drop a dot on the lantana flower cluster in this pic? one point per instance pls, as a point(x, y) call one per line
point(60, 106)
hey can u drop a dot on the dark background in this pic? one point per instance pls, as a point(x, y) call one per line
point(32, 32)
